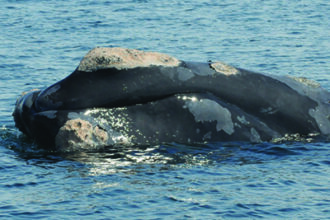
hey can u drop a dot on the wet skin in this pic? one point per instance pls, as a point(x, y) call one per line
point(187, 103)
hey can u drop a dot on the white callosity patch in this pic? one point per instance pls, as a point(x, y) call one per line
point(224, 68)
point(122, 58)
point(205, 110)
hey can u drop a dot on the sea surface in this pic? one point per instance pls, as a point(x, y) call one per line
point(42, 42)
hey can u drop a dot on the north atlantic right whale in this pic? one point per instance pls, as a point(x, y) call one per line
point(132, 97)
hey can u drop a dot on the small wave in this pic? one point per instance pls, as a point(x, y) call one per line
point(122, 158)
point(20, 185)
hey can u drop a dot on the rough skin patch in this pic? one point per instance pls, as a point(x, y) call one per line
point(80, 134)
point(224, 68)
point(306, 81)
point(121, 58)
point(26, 92)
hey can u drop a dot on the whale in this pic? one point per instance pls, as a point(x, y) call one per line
point(120, 96)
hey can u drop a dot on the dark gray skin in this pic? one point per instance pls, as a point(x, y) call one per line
point(261, 107)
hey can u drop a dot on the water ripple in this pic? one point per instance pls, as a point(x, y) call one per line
point(42, 42)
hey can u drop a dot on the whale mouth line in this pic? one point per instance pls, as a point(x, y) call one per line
point(150, 100)
point(123, 103)
point(30, 99)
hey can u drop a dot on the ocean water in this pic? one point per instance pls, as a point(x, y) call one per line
point(41, 42)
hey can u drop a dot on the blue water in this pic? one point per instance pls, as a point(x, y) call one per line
point(41, 42)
